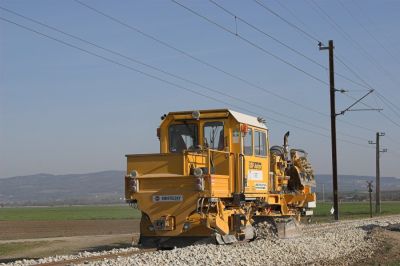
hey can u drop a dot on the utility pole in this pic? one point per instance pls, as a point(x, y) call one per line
point(323, 192)
point(332, 91)
point(378, 171)
point(370, 197)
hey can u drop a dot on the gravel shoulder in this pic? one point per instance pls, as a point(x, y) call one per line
point(355, 242)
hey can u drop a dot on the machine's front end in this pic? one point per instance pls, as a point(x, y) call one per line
point(211, 180)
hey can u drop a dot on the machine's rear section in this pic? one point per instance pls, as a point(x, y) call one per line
point(214, 178)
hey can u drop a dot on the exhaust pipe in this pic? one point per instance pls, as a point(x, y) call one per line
point(286, 145)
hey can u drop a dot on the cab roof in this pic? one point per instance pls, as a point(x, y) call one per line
point(239, 117)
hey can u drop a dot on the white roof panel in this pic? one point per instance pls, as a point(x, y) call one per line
point(247, 119)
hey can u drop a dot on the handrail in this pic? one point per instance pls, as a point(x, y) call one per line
point(242, 166)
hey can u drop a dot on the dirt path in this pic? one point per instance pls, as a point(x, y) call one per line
point(35, 239)
point(10, 230)
point(389, 250)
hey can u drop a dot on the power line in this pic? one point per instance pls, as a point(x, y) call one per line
point(351, 14)
point(252, 43)
point(313, 37)
point(392, 139)
point(171, 74)
point(200, 60)
point(377, 94)
point(269, 35)
point(354, 42)
point(310, 36)
point(388, 105)
point(282, 5)
point(391, 103)
point(163, 80)
point(305, 33)
point(285, 20)
point(234, 76)
point(218, 25)
point(364, 83)
point(366, 16)
point(282, 43)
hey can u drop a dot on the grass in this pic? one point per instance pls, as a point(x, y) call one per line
point(68, 213)
point(354, 210)
point(9, 249)
point(348, 210)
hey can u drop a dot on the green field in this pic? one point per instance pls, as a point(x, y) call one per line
point(321, 213)
point(354, 210)
point(68, 213)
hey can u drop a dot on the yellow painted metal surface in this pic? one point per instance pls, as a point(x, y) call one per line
point(175, 202)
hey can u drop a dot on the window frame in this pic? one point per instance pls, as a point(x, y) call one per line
point(223, 132)
point(261, 132)
point(196, 135)
point(252, 142)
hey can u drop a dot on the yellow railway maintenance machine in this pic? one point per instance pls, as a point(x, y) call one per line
point(214, 178)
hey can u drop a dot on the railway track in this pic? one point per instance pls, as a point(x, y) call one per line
point(314, 230)
point(85, 260)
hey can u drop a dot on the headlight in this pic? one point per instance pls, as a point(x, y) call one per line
point(197, 172)
point(186, 226)
point(134, 185)
point(200, 183)
point(134, 174)
point(196, 115)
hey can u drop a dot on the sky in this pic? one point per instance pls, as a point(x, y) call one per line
point(70, 107)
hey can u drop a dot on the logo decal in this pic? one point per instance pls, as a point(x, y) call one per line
point(167, 198)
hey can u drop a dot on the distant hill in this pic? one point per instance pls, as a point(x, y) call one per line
point(349, 183)
point(39, 189)
point(108, 187)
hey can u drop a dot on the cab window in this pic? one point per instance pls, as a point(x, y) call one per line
point(260, 143)
point(182, 137)
point(214, 135)
point(248, 142)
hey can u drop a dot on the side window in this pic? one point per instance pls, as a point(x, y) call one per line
point(182, 137)
point(214, 135)
point(248, 142)
point(260, 143)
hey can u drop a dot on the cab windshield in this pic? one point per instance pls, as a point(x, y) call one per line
point(183, 137)
point(214, 135)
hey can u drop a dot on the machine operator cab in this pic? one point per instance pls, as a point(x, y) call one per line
point(237, 144)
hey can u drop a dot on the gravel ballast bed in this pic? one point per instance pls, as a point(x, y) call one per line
point(343, 242)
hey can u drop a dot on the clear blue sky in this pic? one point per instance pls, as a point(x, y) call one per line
point(65, 111)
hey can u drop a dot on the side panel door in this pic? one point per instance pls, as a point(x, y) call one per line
point(256, 162)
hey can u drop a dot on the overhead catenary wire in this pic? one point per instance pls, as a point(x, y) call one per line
point(312, 37)
point(353, 16)
point(388, 105)
point(354, 42)
point(282, 43)
point(293, 14)
point(308, 36)
point(219, 69)
point(262, 107)
point(262, 49)
point(269, 35)
point(388, 101)
point(244, 39)
point(164, 80)
point(365, 15)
